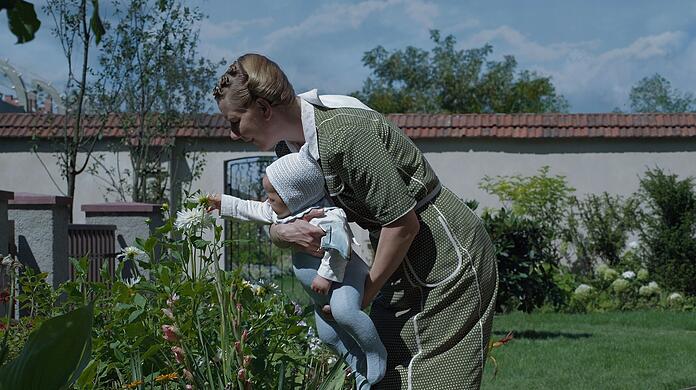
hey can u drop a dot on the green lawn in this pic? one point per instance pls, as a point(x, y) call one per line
point(633, 350)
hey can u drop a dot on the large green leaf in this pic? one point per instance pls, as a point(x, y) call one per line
point(54, 355)
point(22, 19)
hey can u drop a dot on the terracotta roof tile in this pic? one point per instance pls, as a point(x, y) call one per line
point(20, 125)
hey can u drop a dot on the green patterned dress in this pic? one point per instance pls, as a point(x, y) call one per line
point(434, 315)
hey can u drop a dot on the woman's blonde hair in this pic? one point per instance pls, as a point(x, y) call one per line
point(254, 76)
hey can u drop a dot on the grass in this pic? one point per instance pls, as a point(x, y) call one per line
point(625, 350)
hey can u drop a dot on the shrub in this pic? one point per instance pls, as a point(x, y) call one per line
point(598, 227)
point(541, 197)
point(668, 226)
point(527, 263)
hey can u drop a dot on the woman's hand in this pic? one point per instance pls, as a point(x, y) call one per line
point(300, 234)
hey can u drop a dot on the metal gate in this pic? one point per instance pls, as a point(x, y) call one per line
point(251, 248)
point(97, 242)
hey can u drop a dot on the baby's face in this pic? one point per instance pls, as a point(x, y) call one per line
point(274, 199)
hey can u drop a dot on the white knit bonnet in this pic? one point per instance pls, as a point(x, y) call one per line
point(298, 180)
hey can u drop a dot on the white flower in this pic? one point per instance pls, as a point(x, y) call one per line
point(314, 344)
point(583, 289)
point(633, 244)
point(172, 300)
point(302, 323)
point(200, 199)
point(620, 285)
point(675, 297)
point(11, 262)
point(331, 360)
point(130, 253)
point(651, 289)
point(130, 282)
point(628, 275)
point(190, 219)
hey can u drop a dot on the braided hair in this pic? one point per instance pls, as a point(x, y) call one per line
point(254, 76)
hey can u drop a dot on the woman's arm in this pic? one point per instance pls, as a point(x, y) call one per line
point(394, 241)
point(300, 234)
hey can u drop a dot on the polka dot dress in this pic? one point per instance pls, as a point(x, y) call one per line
point(434, 314)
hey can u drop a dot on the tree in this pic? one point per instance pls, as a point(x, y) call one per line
point(75, 33)
point(153, 78)
point(450, 80)
point(655, 94)
point(24, 24)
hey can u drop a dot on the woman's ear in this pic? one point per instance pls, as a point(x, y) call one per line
point(266, 108)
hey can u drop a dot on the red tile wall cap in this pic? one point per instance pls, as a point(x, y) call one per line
point(27, 198)
point(122, 207)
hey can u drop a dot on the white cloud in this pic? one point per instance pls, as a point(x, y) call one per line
point(523, 47)
point(227, 29)
point(339, 17)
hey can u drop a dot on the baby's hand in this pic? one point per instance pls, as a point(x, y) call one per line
point(321, 285)
point(214, 202)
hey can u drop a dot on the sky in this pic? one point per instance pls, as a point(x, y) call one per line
point(594, 51)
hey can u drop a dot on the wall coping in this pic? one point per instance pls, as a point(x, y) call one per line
point(28, 198)
point(6, 195)
point(121, 207)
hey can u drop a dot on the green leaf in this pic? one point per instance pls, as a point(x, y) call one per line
point(335, 378)
point(54, 355)
point(95, 22)
point(22, 19)
point(88, 375)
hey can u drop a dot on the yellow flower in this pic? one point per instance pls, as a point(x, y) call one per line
point(167, 377)
point(134, 384)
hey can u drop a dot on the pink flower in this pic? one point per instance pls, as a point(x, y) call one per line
point(189, 387)
point(245, 335)
point(238, 347)
point(187, 375)
point(173, 299)
point(170, 333)
point(168, 313)
point(178, 354)
point(247, 360)
point(241, 374)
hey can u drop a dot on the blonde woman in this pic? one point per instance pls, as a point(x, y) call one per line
point(433, 281)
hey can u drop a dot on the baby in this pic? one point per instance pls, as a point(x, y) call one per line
point(295, 185)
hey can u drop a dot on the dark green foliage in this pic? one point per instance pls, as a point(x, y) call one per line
point(54, 355)
point(598, 226)
point(655, 94)
point(527, 262)
point(22, 19)
point(668, 229)
point(450, 80)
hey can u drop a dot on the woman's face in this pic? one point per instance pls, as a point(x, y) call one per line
point(250, 124)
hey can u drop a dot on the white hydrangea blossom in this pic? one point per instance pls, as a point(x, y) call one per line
point(628, 275)
point(675, 297)
point(620, 285)
point(583, 289)
point(633, 244)
point(649, 290)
